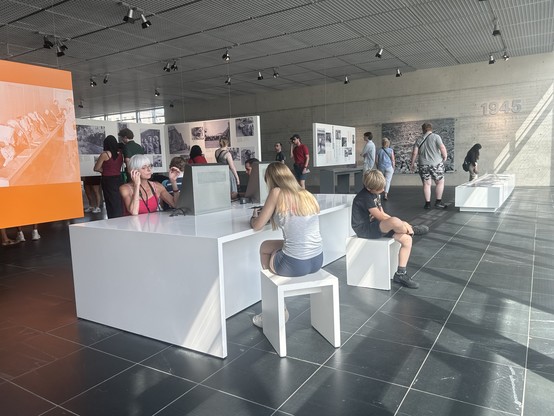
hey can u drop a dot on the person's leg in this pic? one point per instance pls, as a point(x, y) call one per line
point(6, 241)
point(439, 189)
point(401, 276)
point(388, 176)
point(20, 237)
point(97, 195)
point(267, 249)
point(427, 191)
point(35, 235)
point(90, 197)
point(302, 183)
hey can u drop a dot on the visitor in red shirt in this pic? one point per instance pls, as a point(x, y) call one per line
point(301, 156)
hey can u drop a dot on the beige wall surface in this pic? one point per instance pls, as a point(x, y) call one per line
point(507, 107)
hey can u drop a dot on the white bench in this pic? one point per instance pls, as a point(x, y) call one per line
point(323, 289)
point(371, 262)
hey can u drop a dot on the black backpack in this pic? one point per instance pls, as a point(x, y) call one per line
point(465, 165)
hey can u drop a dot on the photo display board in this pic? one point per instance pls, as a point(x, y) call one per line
point(333, 145)
point(242, 132)
point(91, 135)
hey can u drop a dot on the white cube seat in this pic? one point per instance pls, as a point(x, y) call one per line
point(371, 263)
point(323, 289)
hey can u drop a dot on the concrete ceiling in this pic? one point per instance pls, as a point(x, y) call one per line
point(307, 42)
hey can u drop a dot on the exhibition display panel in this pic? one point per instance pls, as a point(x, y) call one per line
point(485, 194)
point(177, 278)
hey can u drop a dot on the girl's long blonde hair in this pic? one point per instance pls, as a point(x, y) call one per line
point(292, 198)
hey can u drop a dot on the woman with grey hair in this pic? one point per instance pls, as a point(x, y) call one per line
point(141, 196)
point(386, 163)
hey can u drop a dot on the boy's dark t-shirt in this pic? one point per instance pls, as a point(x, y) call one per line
point(279, 157)
point(363, 223)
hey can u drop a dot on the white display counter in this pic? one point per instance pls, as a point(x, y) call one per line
point(485, 194)
point(177, 279)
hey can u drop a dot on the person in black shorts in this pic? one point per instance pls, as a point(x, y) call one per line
point(370, 221)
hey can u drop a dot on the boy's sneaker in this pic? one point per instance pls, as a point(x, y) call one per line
point(20, 237)
point(440, 205)
point(405, 280)
point(427, 205)
point(35, 235)
point(420, 229)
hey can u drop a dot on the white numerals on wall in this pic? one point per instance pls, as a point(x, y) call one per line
point(492, 108)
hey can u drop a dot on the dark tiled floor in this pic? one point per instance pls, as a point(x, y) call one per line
point(477, 338)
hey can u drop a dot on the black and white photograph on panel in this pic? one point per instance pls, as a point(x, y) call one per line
point(177, 144)
point(90, 139)
point(338, 135)
point(122, 125)
point(150, 140)
point(197, 133)
point(347, 152)
point(157, 160)
point(328, 137)
point(235, 153)
point(246, 153)
point(344, 142)
point(403, 135)
point(245, 126)
point(320, 141)
point(214, 131)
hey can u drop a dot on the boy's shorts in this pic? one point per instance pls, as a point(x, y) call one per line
point(298, 172)
point(369, 230)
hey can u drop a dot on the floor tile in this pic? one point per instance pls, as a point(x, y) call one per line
point(403, 329)
point(130, 346)
point(504, 269)
point(406, 304)
point(495, 386)
point(438, 290)
point(498, 319)
point(85, 332)
point(443, 274)
point(541, 355)
point(203, 401)
point(482, 294)
point(496, 281)
point(538, 394)
point(483, 344)
point(418, 403)
point(263, 378)
point(16, 401)
point(455, 263)
point(71, 375)
point(139, 391)
point(544, 286)
point(331, 392)
point(382, 360)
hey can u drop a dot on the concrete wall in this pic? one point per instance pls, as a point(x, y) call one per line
point(517, 140)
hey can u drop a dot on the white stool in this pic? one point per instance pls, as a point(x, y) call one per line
point(371, 262)
point(323, 289)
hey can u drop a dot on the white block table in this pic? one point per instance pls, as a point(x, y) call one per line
point(486, 194)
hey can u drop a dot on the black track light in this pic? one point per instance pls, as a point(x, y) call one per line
point(491, 59)
point(171, 105)
point(145, 22)
point(63, 47)
point(129, 16)
point(59, 51)
point(275, 73)
point(379, 53)
point(346, 80)
point(92, 82)
point(81, 104)
point(47, 43)
point(173, 66)
point(156, 92)
point(226, 57)
point(228, 80)
point(167, 67)
point(260, 76)
point(505, 56)
point(398, 73)
point(496, 31)
point(105, 81)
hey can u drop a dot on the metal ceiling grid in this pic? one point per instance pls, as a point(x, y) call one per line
point(429, 59)
point(21, 37)
point(255, 8)
point(440, 10)
point(471, 42)
point(275, 45)
point(160, 30)
point(159, 52)
point(391, 63)
point(104, 13)
point(391, 72)
point(8, 50)
point(415, 48)
point(287, 70)
point(528, 12)
point(349, 46)
point(412, 34)
point(384, 22)
point(360, 57)
point(341, 71)
point(543, 43)
point(326, 34)
point(528, 29)
point(45, 57)
point(157, 6)
point(39, 4)
point(200, 42)
point(86, 51)
point(298, 19)
point(304, 76)
point(354, 9)
point(244, 32)
point(300, 56)
point(11, 11)
point(472, 24)
point(121, 40)
point(322, 65)
point(205, 15)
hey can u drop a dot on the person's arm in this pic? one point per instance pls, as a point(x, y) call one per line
point(130, 193)
point(171, 200)
point(376, 159)
point(393, 159)
point(292, 146)
point(101, 159)
point(231, 164)
point(444, 153)
point(415, 152)
point(364, 150)
point(260, 218)
point(307, 154)
point(378, 214)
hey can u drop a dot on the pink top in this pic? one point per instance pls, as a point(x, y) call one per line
point(151, 205)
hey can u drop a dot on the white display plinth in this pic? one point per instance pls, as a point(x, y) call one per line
point(485, 194)
point(177, 279)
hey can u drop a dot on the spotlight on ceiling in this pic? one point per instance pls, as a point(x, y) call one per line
point(167, 67)
point(47, 43)
point(129, 16)
point(81, 104)
point(260, 76)
point(228, 80)
point(505, 56)
point(379, 53)
point(226, 57)
point(346, 80)
point(62, 46)
point(92, 82)
point(496, 31)
point(59, 50)
point(156, 92)
point(145, 22)
point(171, 105)
point(275, 73)
point(105, 81)
point(491, 59)
point(173, 66)
point(398, 73)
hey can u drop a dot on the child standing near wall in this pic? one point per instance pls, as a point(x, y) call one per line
point(370, 221)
